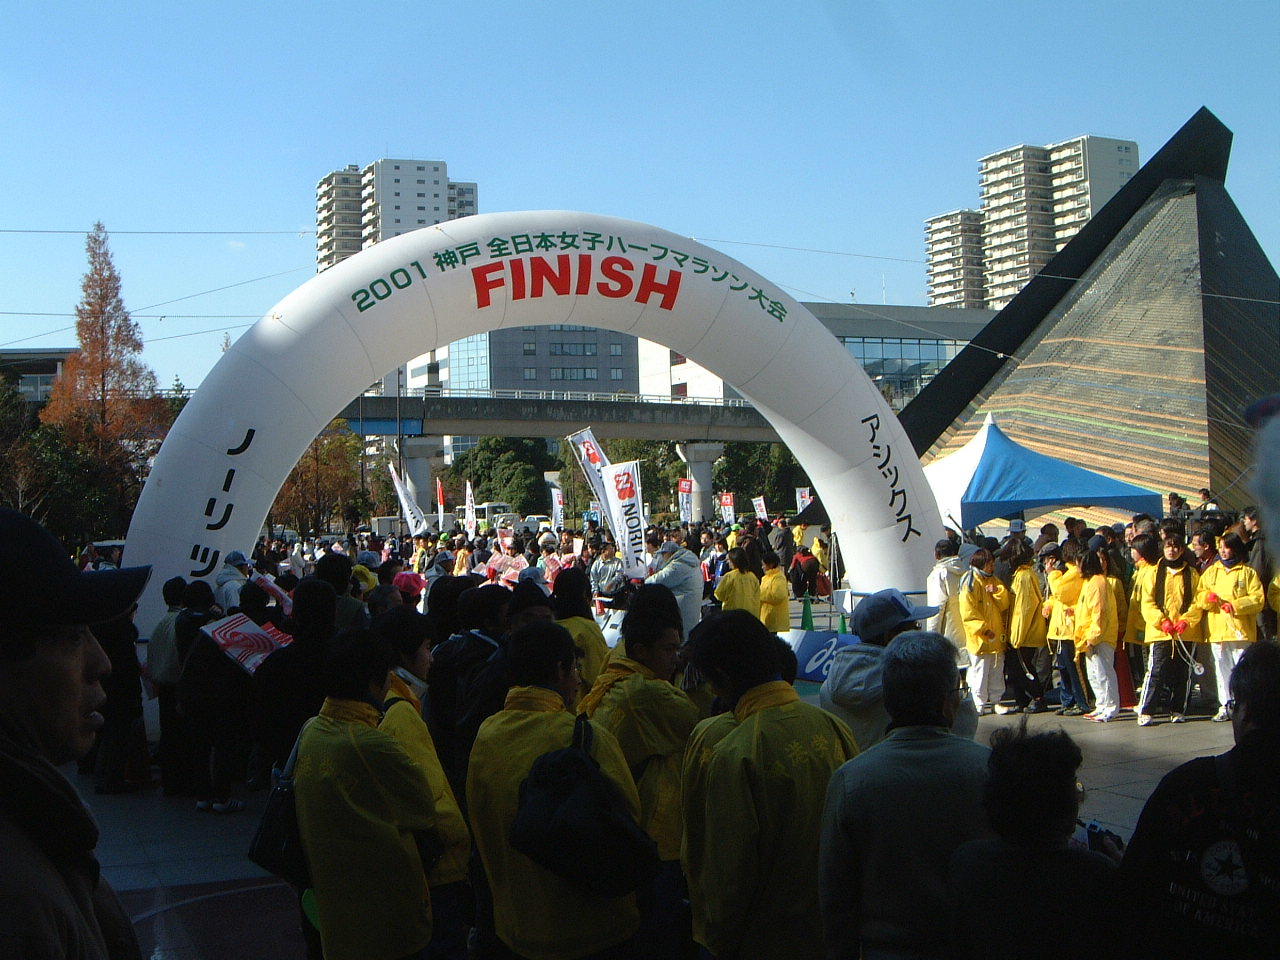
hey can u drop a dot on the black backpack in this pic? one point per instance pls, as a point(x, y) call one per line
point(572, 820)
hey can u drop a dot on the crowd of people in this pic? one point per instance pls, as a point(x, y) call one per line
point(1130, 620)
point(447, 806)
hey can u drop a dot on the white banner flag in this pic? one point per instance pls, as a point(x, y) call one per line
point(623, 499)
point(592, 460)
point(727, 513)
point(803, 498)
point(557, 508)
point(440, 505)
point(409, 510)
point(469, 521)
point(761, 512)
point(684, 494)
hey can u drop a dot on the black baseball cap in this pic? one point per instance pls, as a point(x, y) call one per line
point(40, 585)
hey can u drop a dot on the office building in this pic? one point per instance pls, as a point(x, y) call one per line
point(32, 370)
point(1033, 200)
point(901, 348)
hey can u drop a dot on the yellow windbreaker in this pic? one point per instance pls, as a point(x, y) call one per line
point(819, 549)
point(1027, 624)
point(360, 798)
point(1064, 588)
point(693, 812)
point(536, 913)
point(652, 721)
point(462, 563)
point(1242, 588)
point(1096, 620)
point(403, 720)
point(1134, 625)
point(756, 807)
point(798, 532)
point(1170, 606)
point(1273, 594)
point(775, 599)
point(739, 590)
point(732, 539)
point(587, 634)
point(1122, 604)
point(982, 611)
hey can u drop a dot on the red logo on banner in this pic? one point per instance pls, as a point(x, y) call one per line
point(684, 486)
point(726, 499)
point(592, 453)
point(626, 486)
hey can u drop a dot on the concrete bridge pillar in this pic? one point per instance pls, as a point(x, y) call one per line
point(418, 452)
point(701, 458)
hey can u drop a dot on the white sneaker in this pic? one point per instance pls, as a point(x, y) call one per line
point(1003, 709)
point(1178, 718)
point(985, 710)
point(1222, 716)
point(1145, 719)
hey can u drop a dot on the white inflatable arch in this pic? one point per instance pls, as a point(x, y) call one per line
point(288, 376)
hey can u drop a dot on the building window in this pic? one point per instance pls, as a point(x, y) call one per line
point(531, 349)
point(615, 349)
point(573, 349)
point(677, 358)
point(615, 373)
point(531, 373)
point(679, 389)
point(574, 373)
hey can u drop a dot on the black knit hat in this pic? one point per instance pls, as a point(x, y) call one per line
point(40, 585)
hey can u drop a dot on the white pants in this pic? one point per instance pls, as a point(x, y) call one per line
point(1100, 664)
point(986, 677)
point(1225, 657)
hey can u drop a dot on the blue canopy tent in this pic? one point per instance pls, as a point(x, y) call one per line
point(992, 476)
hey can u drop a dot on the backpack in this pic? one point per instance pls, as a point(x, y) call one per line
point(572, 820)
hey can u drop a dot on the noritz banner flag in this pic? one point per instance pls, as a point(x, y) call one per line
point(626, 514)
point(803, 498)
point(557, 508)
point(440, 504)
point(761, 512)
point(412, 513)
point(469, 520)
point(592, 460)
point(684, 495)
point(727, 513)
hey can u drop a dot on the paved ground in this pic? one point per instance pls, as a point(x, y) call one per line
point(193, 896)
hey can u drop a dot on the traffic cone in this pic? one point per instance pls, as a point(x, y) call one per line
point(806, 614)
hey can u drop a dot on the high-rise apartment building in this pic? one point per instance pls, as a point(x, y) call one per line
point(356, 208)
point(1033, 200)
point(954, 244)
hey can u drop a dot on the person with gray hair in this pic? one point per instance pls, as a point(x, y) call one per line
point(895, 814)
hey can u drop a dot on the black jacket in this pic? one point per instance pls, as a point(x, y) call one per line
point(467, 685)
point(289, 690)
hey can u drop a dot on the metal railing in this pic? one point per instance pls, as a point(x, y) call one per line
point(479, 393)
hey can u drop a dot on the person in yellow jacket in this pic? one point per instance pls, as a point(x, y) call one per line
point(1097, 631)
point(1172, 623)
point(360, 801)
point(462, 551)
point(822, 553)
point(1145, 553)
point(571, 600)
point(798, 533)
point(538, 914)
point(983, 602)
point(451, 903)
point(696, 858)
point(1027, 630)
point(1063, 574)
point(1231, 597)
point(775, 596)
point(635, 701)
point(758, 799)
point(739, 589)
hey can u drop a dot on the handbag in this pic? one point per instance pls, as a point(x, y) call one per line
point(277, 844)
point(823, 585)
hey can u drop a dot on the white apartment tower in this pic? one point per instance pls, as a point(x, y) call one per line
point(954, 247)
point(1033, 200)
point(356, 208)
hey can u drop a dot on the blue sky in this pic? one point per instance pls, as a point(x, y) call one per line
point(826, 125)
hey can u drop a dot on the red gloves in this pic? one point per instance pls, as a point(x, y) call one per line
point(1227, 607)
point(1166, 625)
point(1181, 627)
point(1213, 598)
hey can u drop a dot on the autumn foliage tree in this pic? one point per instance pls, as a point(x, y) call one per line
point(325, 481)
point(105, 402)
